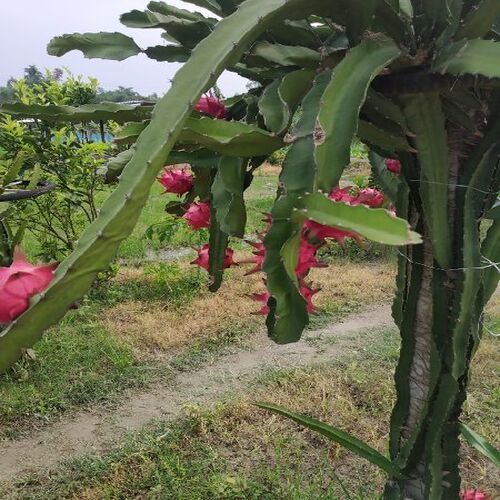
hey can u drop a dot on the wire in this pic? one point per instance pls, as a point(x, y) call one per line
point(489, 265)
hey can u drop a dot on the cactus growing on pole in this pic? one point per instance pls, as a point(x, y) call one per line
point(418, 82)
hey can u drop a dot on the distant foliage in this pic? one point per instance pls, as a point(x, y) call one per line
point(61, 154)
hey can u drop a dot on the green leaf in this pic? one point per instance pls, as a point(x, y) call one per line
point(288, 313)
point(169, 10)
point(474, 57)
point(13, 169)
point(89, 112)
point(360, 15)
point(386, 108)
point(187, 32)
point(427, 122)
point(211, 5)
point(384, 139)
point(290, 254)
point(129, 133)
point(168, 53)
point(115, 46)
point(229, 138)
point(353, 444)
point(375, 224)
point(219, 241)
point(287, 55)
point(388, 181)
point(480, 20)
point(281, 98)
point(115, 166)
point(342, 101)
point(480, 444)
point(227, 196)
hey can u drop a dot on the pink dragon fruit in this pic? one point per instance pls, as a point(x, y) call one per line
point(263, 298)
point(321, 232)
point(307, 258)
point(198, 215)
point(20, 282)
point(393, 166)
point(203, 258)
point(176, 180)
point(342, 194)
point(258, 257)
point(308, 293)
point(211, 106)
point(370, 197)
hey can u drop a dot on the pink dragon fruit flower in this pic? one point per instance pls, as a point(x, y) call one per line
point(258, 258)
point(263, 298)
point(394, 166)
point(176, 180)
point(198, 215)
point(474, 495)
point(20, 282)
point(211, 106)
point(321, 232)
point(308, 293)
point(203, 258)
point(370, 197)
point(307, 258)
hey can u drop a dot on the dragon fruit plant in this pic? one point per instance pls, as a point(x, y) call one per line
point(418, 82)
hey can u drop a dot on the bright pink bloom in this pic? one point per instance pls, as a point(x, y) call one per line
point(321, 232)
point(211, 106)
point(473, 495)
point(393, 166)
point(342, 194)
point(198, 215)
point(370, 197)
point(203, 258)
point(20, 282)
point(307, 258)
point(308, 293)
point(263, 298)
point(258, 258)
point(176, 180)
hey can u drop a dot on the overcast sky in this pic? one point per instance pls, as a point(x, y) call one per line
point(28, 25)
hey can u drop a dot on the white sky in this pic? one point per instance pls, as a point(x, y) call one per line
point(28, 25)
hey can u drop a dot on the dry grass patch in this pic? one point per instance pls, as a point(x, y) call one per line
point(244, 452)
point(354, 283)
point(268, 170)
point(165, 326)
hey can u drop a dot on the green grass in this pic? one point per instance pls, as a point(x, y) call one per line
point(234, 451)
point(76, 363)
point(260, 197)
point(164, 282)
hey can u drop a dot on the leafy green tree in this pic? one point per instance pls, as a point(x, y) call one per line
point(122, 94)
point(59, 154)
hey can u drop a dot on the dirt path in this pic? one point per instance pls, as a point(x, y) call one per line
point(98, 430)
